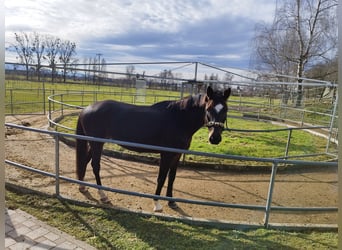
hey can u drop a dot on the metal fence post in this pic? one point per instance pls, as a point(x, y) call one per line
point(53, 103)
point(62, 107)
point(11, 100)
point(270, 193)
point(44, 98)
point(288, 143)
point(57, 163)
point(303, 115)
point(50, 113)
point(331, 127)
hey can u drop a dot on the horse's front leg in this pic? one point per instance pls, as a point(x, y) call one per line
point(168, 165)
point(172, 177)
point(163, 170)
point(96, 149)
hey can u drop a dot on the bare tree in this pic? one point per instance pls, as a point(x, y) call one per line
point(67, 50)
point(23, 49)
point(103, 69)
point(52, 49)
point(166, 77)
point(130, 69)
point(228, 77)
point(325, 71)
point(303, 33)
point(93, 66)
point(38, 47)
point(86, 69)
point(213, 76)
point(73, 68)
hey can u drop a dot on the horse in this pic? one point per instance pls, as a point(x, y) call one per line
point(166, 124)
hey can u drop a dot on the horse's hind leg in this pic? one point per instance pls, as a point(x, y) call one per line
point(96, 151)
point(82, 171)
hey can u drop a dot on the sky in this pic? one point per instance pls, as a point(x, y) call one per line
point(216, 32)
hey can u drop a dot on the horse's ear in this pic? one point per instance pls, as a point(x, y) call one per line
point(210, 92)
point(227, 93)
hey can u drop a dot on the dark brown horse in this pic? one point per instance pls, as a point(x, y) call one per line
point(167, 123)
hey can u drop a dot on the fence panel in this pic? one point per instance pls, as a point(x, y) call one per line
point(267, 208)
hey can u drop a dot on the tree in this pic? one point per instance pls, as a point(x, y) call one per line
point(38, 47)
point(130, 69)
point(52, 48)
point(67, 50)
point(93, 66)
point(303, 33)
point(228, 77)
point(23, 49)
point(103, 69)
point(86, 69)
point(325, 71)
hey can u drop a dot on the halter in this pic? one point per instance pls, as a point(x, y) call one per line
point(211, 124)
point(214, 124)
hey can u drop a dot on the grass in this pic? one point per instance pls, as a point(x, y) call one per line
point(234, 143)
point(30, 97)
point(105, 228)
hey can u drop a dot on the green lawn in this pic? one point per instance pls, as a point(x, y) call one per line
point(105, 228)
point(30, 97)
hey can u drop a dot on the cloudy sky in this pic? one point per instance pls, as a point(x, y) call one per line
point(217, 32)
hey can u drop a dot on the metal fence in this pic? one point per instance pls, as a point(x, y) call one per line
point(64, 104)
point(267, 208)
point(255, 96)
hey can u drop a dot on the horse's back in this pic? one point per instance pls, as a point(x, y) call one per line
point(160, 124)
point(122, 121)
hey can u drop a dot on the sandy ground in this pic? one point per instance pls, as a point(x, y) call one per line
point(297, 188)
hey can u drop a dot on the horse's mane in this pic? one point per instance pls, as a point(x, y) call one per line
point(183, 104)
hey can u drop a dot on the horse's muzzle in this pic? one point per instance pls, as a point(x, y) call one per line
point(215, 139)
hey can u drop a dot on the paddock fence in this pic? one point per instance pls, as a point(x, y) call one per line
point(268, 208)
point(62, 105)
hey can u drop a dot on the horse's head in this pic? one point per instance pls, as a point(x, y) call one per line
point(216, 113)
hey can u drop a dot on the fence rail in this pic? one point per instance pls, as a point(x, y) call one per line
point(59, 103)
point(267, 208)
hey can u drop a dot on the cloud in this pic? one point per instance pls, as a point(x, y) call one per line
point(211, 30)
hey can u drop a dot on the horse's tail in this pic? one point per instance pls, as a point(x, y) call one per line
point(82, 153)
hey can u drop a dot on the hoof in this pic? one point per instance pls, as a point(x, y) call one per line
point(103, 197)
point(83, 189)
point(105, 200)
point(157, 207)
point(173, 205)
point(157, 210)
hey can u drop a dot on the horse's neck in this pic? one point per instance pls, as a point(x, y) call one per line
point(196, 117)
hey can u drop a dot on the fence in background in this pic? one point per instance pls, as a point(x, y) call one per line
point(61, 105)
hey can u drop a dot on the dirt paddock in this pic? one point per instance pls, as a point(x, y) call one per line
point(295, 188)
